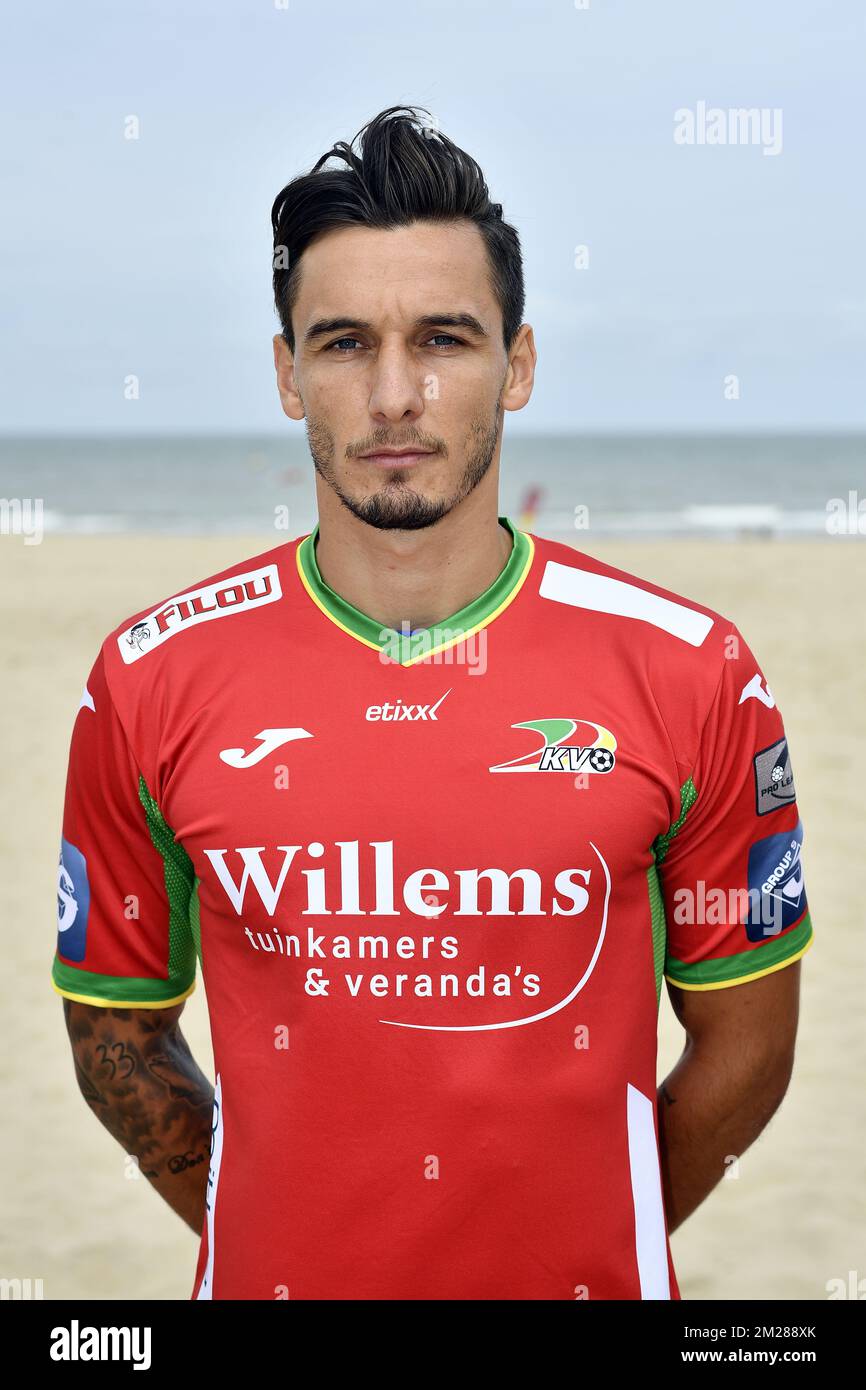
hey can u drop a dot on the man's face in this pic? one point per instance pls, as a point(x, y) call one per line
point(380, 364)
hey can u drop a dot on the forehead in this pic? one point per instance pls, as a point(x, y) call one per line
point(410, 270)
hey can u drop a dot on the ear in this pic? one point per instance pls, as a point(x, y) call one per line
point(520, 375)
point(284, 365)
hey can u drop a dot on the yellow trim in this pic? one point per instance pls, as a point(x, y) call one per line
point(744, 979)
point(123, 1003)
point(443, 646)
point(327, 612)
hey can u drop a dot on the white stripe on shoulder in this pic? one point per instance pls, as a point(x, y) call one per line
point(584, 589)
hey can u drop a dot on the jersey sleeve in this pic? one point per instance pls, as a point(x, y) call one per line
point(729, 869)
point(126, 889)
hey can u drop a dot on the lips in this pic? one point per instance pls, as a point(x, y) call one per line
point(398, 458)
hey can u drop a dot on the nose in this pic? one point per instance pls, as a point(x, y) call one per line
point(397, 386)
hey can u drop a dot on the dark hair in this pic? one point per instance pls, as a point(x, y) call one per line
point(403, 171)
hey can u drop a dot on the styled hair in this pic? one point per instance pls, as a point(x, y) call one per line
point(402, 171)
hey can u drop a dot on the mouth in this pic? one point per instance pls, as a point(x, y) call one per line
point(397, 458)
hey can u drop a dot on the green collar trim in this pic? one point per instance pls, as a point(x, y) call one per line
point(408, 647)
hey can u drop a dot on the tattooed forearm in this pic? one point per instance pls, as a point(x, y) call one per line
point(136, 1072)
point(87, 1088)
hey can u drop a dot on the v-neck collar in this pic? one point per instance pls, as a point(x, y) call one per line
point(406, 648)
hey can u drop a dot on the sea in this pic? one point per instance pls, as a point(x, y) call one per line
point(647, 485)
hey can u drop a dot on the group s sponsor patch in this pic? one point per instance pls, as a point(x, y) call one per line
point(774, 780)
point(776, 888)
point(235, 595)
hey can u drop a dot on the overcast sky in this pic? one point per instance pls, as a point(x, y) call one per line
point(706, 261)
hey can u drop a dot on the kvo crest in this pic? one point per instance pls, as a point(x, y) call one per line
point(561, 749)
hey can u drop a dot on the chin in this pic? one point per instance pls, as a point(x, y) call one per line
point(384, 515)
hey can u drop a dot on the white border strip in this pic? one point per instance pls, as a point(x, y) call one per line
point(205, 1288)
point(651, 1244)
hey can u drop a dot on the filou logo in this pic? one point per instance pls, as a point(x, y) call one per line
point(216, 600)
point(557, 753)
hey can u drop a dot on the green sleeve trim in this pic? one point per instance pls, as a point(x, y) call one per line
point(117, 991)
point(180, 887)
point(184, 939)
point(776, 951)
point(659, 926)
point(195, 919)
point(660, 847)
point(688, 797)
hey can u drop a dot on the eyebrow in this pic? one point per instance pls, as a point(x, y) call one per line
point(321, 328)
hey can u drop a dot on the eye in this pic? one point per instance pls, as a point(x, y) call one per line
point(338, 343)
point(451, 341)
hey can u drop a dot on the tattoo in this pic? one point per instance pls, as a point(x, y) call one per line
point(163, 1065)
point(136, 1067)
point(121, 1058)
point(87, 1088)
point(180, 1162)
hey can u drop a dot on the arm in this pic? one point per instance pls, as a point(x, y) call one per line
point(137, 1074)
point(730, 1080)
point(736, 923)
point(126, 958)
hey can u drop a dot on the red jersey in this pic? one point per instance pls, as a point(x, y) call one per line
point(433, 954)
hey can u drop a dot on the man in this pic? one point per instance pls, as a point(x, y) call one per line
point(435, 803)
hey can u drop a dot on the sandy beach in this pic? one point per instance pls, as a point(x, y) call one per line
point(74, 1212)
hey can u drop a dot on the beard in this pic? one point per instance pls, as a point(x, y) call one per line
point(397, 506)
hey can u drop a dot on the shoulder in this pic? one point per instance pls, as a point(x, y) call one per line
point(630, 609)
point(183, 630)
point(661, 656)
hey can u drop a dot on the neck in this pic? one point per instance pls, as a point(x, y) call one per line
point(415, 577)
